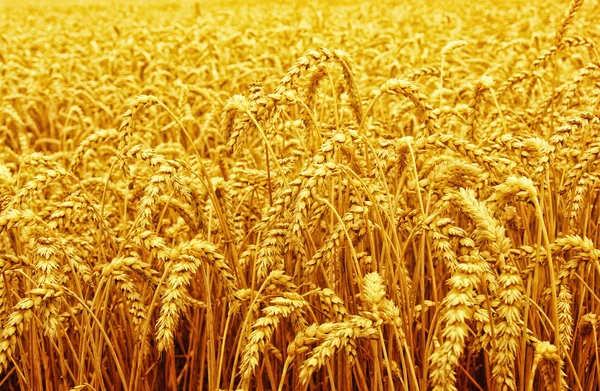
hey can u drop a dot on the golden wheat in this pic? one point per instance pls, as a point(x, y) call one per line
point(278, 196)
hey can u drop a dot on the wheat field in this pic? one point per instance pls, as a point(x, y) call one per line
point(299, 195)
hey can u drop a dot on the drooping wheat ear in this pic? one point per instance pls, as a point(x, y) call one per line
point(281, 202)
point(332, 305)
point(510, 297)
point(165, 179)
point(185, 211)
point(445, 237)
point(47, 264)
point(508, 327)
point(565, 318)
point(285, 92)
point(338, 140)
point(568, 19)
point(242, 177)
point(51, 172)
point(489, 228)
point(260, 109)
point(22, 312)
point(589, 158)
point(392, 157)
point(337, 336)
point(578, 40)
point(277, 283)
point(453, 173)
point(307, 337)
point(132, 262)
point(523, 75)
point(498, 143)
point(373, 292)
point(125, 264)
point(496, 165)
point(394, 368)
point(310, 59)
point(475, 106)
point(6, 261)
point(578, 203)
point(91, 143)
point(570, 89)
point(541, 163)
point(133, 298)
point(13, 218)
point(316, 218)
point(314, 179)
point(458, 309)
point(375, 304)
point(263, 329)
point(192, 191)
point(584, 253)
point(542, 59)
point(66, 318)
point(185, 260)
point(73, 209)
point(7, 184)
point(423, 72)
point(182, 268)
point(378, 310)
point(208, 253)
point(236, 105)
point(247, 255)
point(224, 195)
point(353, 222)
point(310, 96)
point(567, 92)
point(539, 62)
point(514, 187)
point(150, 241)
point(269, 256)
point(128, 124)
point(482, 315)
point(588, 329)
point(410, 91)
point(351, 88)
point(302, 343)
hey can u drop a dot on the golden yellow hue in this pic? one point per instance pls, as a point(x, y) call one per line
point(298, 196)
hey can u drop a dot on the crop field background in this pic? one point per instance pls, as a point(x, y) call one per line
point(299, 195)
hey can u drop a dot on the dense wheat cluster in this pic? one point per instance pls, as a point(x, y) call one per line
point(299, 196)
